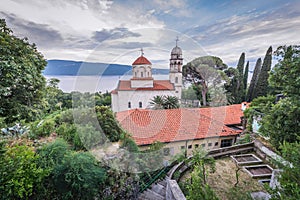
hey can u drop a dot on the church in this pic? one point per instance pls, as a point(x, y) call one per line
point(141, 88)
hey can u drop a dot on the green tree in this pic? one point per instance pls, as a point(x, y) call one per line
point(53, 94)
point(285, 75)
point(235, 87)
point(72, 175)
point(241, 63)
point(231, 85)
point(198, 189)
point(205, 71)
point(245, 81)
point(157, 102)
point(79, 176)
point(282, 122)
point(21, 79)
point(254, 79)
point(289, 177)
point(19, 172)
point(164, 102)
point(201, 159)
point(262, 85)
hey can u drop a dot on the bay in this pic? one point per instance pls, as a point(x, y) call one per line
point(93, 83)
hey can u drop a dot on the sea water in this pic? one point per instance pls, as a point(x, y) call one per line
point(93, 83)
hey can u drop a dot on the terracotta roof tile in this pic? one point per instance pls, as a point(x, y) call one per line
point(148, 126)
point(141, 60)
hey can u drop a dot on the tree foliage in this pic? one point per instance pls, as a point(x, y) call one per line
point(241, 64)
point(282, 120)
point(198, 188)
point(19, 172)
point(205, 72)
point(262, 85)
point(164, 102)
point(289, 177)
point(282, 123)
point(21, 79)
point(72, 175)
point(252, 87)
point(285, 75)
point(245, 78)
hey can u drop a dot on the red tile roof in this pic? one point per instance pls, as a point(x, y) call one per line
point(141, 60)
point(148, 126)
point(157, 85)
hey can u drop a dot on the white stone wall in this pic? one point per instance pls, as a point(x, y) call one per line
point(141, 71)
point(120, 101)
point(141, 83)
point(178, 85)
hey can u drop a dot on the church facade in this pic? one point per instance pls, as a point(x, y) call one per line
point(141, 88)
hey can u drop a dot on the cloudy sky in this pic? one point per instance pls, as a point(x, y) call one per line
point(114, 31)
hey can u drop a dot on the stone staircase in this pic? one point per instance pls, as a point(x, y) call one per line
point(156, 192)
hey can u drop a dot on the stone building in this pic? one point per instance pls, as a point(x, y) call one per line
point(141, 88)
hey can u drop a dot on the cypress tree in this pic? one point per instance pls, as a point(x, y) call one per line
point(240, 93)
point(254, 80)
point(246, 75)
point(261, 88)
point(240, 65)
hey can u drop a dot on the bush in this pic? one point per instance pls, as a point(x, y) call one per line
point(19, 172)
point(43, 128)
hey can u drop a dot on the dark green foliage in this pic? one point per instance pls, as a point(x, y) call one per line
point(245, 81)
point(262, 85)
point(19, 172)
point(129, 144)
point(72, 175)
point(241, 63)
point(43, 128)
point(289, 178)
point(282, 123)
point(78, 177)
point(198, 189)
point(254, 79)
point(237, 84)
point(108, 123)
point(285, 75)
point(21, 79)
point(164, 102)
point(190, 93)
point(259, 107)
point(205, 71)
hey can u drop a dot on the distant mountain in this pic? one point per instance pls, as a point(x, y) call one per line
point(79, 68)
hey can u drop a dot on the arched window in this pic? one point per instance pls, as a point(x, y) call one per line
point(176, 79)
point(129, 104)
point(140, 104)
point(135, 74)
point(142, 74)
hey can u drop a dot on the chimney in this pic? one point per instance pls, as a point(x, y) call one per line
point(244, 106)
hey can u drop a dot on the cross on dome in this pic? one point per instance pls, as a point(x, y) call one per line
point(142, 52)
point(176, 40)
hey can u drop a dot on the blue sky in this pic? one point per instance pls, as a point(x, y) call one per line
point(114, 31)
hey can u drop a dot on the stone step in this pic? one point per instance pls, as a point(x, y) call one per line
point(151, 195)
point(163, 183)
point(159, 189)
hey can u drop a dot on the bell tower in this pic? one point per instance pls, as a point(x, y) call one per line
point(175, 74)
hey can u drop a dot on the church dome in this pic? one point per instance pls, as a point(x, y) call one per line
point(141, 61)
point(176, 50)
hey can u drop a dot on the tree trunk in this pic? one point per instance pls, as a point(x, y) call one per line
point(204, 93)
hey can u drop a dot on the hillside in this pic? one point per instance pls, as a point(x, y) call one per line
point(80, 68)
